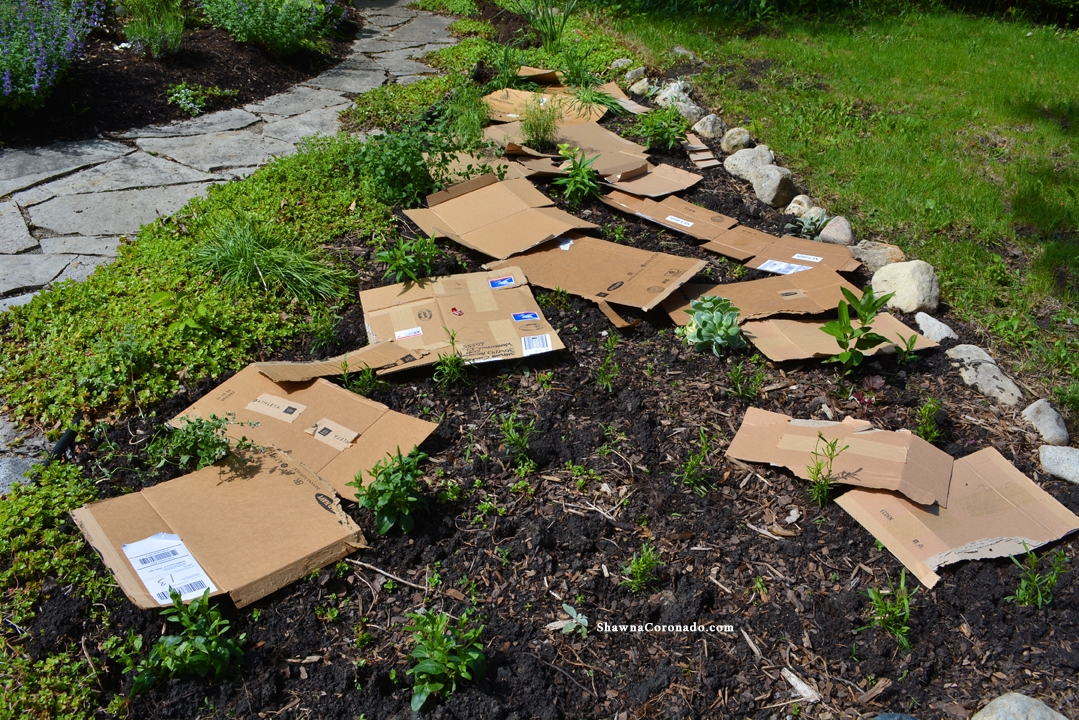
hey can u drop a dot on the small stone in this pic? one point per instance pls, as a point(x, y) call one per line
point(620, 63)
point(736, 139)
point(635, 74)
point(774, 185)
point(799, 206)
point(914, 283)
point(691, 111)
point(970, 354)
point(673, 92)
point(745, 164)
point(13, 471)
point(895, 716)
point(815, 212)
point(679, 50)
point(934, 329)
point(875, 255)
point(1047, 421)
point(642, 87)
point(1014, 706)
point(710, 126)
point(978, 370)
point(837, 232)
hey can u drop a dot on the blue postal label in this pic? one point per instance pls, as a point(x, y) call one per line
point(502, 282)
point(521, 317)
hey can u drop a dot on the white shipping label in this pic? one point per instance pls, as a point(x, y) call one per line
point(679, 221)
point(782, 268)
point(276, 407)
point(807, 258)
point(333, 434)
point(162, 562)
point(411, 332)
point(536, 344)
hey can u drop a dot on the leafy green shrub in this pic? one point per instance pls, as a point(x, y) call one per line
point(446, 655)
point(693, 472)
point(392, 167)
point(890, 610)
point(713, 325)
point(1036, 588)
point(580, 181)
point(200, 649)
point(547, 17)
point(410, 259)
point(640, 571)
point(393, 495)
point(928, 429)
point(821, 478)
point(853, 341)
point(284, 27)
point(539, 122)
point(245, 256)
point(662, 128)
point(156, 26)
point(199, 439)
point(39, 39)
point(192, 98)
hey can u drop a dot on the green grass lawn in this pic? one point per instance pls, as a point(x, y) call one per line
point(953, 137)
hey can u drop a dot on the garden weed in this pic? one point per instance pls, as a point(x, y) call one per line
point(557, 298)
point(693, 472)
point(365, 382)
point(451, 368)
point(547, 17)
point(192, 98)
point(466, 27)
point(607, 371)
point(820, 470)
point(155, 27)
point(393, 495)
point(890, 610)
point(200, 439)
point(746, 382)
point(641, 569)
point(283, 28)
point(662, 129)
point(852, 341)
point(410, 259)
point(577, 623)
point(539, 122)
point(1068, 397)
point(445, 654)
point(580, 182)
point(515, 435)
point(928, 429)
point(392, 168)
point(1036, 588)
point(390, 106)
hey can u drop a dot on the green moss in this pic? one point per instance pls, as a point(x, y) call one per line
point(462, 57)
point(477, 28)
point(447, 7)
point(389, 106)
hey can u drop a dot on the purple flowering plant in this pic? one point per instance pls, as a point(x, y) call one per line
point(38, 41)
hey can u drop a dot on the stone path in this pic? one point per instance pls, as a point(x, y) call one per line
point(64, 207)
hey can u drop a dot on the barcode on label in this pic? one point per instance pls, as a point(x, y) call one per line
point(183, 589)
point(535, 344)
point(679, 221)
point(157, 557)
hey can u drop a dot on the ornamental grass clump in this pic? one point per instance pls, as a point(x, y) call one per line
point(284, 27)
point(713, 325)
point(39, 39)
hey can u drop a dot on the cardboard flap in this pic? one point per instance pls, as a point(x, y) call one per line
point(375, 356)
point(461, 189)
point(617, 320)
point(781, 339)
point(806, 293)
point(790, 254)
point(604, 271)
point(590, 137)
point(898, 461)
point(677, 214)
point(993, 511)
point(538, 75)
point(658, 181)
point(509, 105)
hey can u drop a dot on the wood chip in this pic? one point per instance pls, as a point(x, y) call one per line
point(804, 690)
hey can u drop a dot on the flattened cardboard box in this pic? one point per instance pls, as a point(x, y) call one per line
point(806, 293)
point(605, 272)
point(881, 459)
point(336, 433)
point(252, 528)
point(677, 214)
point(993, 511)
point(510, 104)
point(654, 181)
point(611, 154)
point(781, 339)
point(498, 219)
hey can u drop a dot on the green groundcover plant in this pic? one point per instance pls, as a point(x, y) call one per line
point(284, 27)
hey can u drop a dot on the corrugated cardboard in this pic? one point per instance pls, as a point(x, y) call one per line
point(881, 459)
point(254, 397)
point(254, 528)
point(539, 75)
point(496, 218)
point(509, 105)
point(677, 214)
point(612, 154)
point(656, 181)
point(605, 272)
point(789, 254)
point(780, 339)
point(993, 511)
point(699, 153)
point(806, 293)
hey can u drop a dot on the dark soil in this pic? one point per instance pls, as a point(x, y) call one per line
point(509, 27)
point(110, 90)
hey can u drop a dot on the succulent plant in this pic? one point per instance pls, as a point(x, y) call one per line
point(713, 325)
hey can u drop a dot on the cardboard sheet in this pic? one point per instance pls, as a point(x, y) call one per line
point(603, 271)
point(880, 459)
point(656, 181)
point(252, 527)
point(509, 105)
point(539, 76)
point(699, 153)
point(613, 154)
point(790, 254)
point(993, 509)
point(362, 431)
point(780, 339)
point(677, 214)
point(498, 219)
point(806, 293)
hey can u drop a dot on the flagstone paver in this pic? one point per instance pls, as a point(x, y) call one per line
point(313, 122)
point(234, 119)
point(112, 213)
point(219, 151)
point(23, 168)
point(79, 245)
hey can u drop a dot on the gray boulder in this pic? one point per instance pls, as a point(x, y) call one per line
point(1047, 421)
point(691, 111)
point(979, 370)
point(635, 74)
point(914, 283)
point(642, 87)
point(837, 232)
point(676, 91)
point(935, 330)
point(745, 164)
point(1061, 462)
point(799, 206)
point(875, 255)
point(774, 185)
point(710, 126)
point(620, 63)
point(1014, 706)
point(736, 139)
